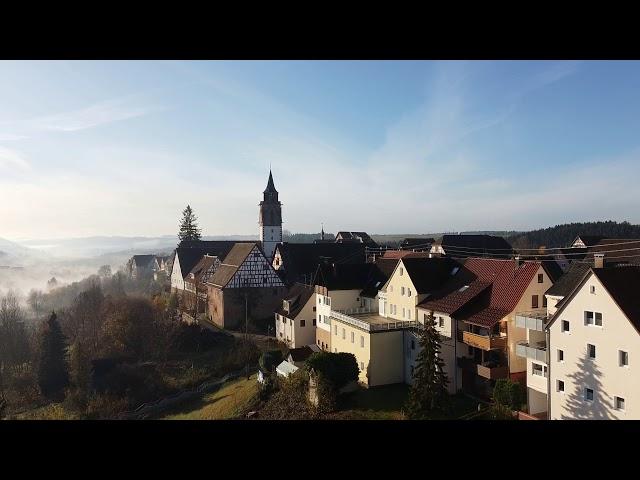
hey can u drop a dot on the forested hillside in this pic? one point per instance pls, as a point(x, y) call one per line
point(563, 235)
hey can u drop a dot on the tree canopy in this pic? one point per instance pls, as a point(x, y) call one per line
point(337, 368)
point(189, 229)
point(53, 371)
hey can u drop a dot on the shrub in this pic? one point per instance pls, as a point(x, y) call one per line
point(337, 369)
point(509, 394)
point(270, 360)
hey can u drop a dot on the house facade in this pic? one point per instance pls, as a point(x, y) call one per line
point(594, 342)
point(244, 282)
point(295, 320)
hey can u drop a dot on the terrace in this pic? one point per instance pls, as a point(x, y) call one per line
point(368, 320)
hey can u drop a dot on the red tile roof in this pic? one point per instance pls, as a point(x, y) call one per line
point(495, 288)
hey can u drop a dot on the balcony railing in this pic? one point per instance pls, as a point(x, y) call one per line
point(488, 371)
point(370, 327)
point(536, 351)
point(532, 320)
point(484, 342)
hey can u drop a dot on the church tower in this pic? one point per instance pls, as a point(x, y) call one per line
point(270, 219)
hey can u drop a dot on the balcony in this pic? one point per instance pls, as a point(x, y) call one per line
point(534, 351)
point(484, 342)
point(490, 370)
point(532, 320)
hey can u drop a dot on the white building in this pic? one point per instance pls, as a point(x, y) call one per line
point(594, 343)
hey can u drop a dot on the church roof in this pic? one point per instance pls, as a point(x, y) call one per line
point(271, 188)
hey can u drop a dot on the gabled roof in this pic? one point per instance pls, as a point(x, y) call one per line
point(462, 246)
point(204, 264)
point(301, 354)
point(301, 260)
point(622, 284)
point(567, 282)
point(428, 274)
point(484, 290)
point(361, 237)
point(189, 253)
point(297, 296)
point(143, 261)
point(339, 276)
point(232, 263)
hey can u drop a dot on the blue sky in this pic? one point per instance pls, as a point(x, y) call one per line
point(119, 148)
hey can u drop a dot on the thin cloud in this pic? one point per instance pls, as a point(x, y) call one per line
point(102, 113)
point(10, 137)
point(11, 158)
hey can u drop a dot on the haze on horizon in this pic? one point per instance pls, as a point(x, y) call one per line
point(96, 148)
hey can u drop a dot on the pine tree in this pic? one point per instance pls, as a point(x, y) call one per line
point(189, 226)
point(428, 394)
point(53, 371)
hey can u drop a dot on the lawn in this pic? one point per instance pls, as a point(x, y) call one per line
point(225, 403)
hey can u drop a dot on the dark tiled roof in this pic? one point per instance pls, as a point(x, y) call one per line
point(360, 237)
point(231, 264)
point(380, 273)
point(570, 280)
point(348, 276)
point(201, 267)
point(300, 354)
point(421, 242)
point(428, 274)
point(462, 246)
point(622, 284)
point(301, 260)
point(386, 265)
point(298, 296)
point(189, 253)
point(271, 188)
point(143, 261)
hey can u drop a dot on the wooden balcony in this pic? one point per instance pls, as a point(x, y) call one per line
point(484, 342)
point(493, 373)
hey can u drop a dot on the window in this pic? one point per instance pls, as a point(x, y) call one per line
point(401, 290)
point(344, 333)
point(544, 301)
point(560, 355)
point(560, 386)
point(314, 322)
point(623, 358)
point(314, 308)
point(408, 292)
point(588, 394)
point(284, 320)
point(409, 314)
point(335, 329)
point(401, 271)
point(619, 403)
point(403, 312)
point(540, 278)
point(534, 301)
point(565, 325)
point(353, 337)
point(538, 370)
point(440, 322)
point(593, 318)
point(592, 289)
point(591, 349)
point(361, 341)
point(318, 342)
point(598, 319)
point(302, 323)
point(291, 322)
point(362, 366)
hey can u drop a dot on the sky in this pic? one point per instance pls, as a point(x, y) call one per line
point(121, 147)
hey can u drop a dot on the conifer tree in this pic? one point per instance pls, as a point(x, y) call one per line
point(428, 394)
point(53, 370)
point(189, 226)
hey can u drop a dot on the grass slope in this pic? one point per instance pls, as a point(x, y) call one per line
point(223, 404)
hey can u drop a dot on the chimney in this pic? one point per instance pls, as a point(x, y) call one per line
point(598, 260)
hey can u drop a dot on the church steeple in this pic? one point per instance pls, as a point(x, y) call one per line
point(270, 193)
point(270, 218)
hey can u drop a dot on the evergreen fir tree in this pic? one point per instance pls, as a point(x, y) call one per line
point(428, 394)
point(53, 371)
point(189, 226)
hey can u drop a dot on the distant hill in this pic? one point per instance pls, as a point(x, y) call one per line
point(563, 235)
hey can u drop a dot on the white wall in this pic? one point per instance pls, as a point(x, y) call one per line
point(603, 374)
